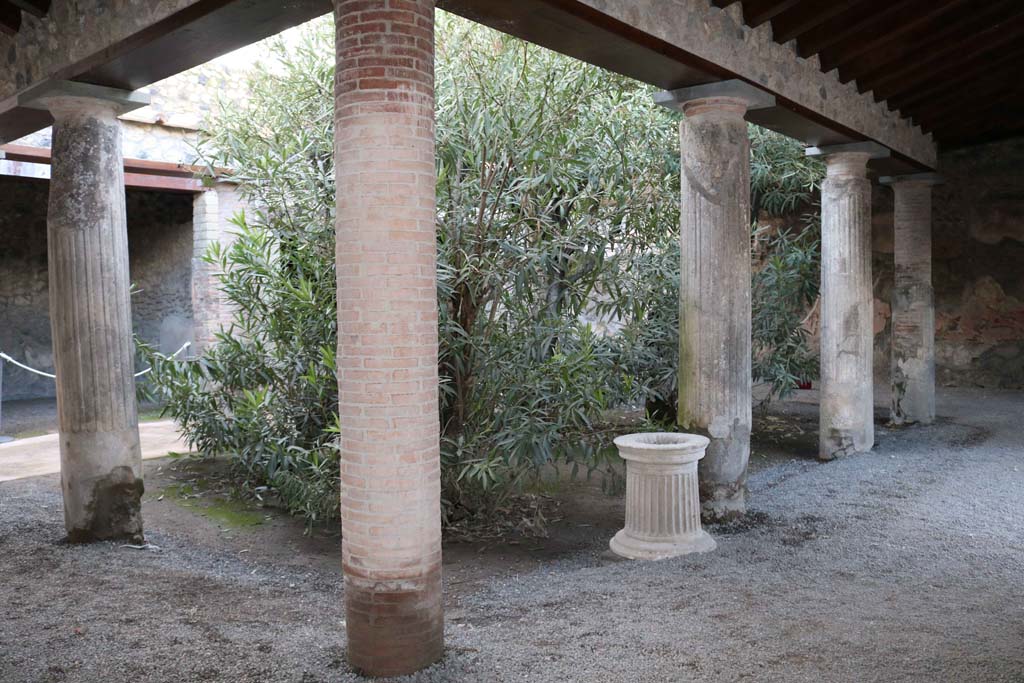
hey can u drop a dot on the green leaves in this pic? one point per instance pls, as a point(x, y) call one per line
point(551, 176)
point(557, 270)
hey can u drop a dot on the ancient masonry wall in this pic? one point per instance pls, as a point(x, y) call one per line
point(977, 268)
point(160, 252)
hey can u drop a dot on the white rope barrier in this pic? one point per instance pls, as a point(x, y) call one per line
point(25, 367)
point(47, 374)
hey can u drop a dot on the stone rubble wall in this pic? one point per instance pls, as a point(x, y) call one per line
point(160, 251)
point(977, 266)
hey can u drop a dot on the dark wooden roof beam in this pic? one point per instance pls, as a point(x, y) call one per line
point(970, 107)
point(899, 80)
point(756, 12)
point(983, 126)
point(941, 35)
point(796, 21)
point(10, 18)
point(870, 18)
point(36, 8)
point(1005, 69)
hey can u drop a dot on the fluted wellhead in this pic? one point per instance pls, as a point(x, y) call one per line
point(662, 496)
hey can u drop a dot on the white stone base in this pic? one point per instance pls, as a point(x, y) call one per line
point(631, 548)
point(662, 496)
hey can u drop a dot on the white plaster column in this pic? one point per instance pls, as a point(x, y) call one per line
point(90, 315)
point(714, 291)
point(847, 398)
point(913, 306)
point(212, 213)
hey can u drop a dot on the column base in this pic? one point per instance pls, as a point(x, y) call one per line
point(396, 626)
point(837, 443)
point(102, 485)
point(633, 548)
point(722, 503)
point(114, 511)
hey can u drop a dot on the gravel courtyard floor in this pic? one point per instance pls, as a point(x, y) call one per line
point(905, 564)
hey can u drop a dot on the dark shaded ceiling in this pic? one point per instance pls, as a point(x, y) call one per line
point(952, 66)
point(10, 13)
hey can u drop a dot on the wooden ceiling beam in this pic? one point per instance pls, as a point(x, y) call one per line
point(843, 26)
point(952, 57)
point(756, 12)
point(982, 100)
point(981, 126)
point(986, 114)
point(36, 8)
point(797, 20)
point(10, 18)
point(941, 33)
point(1005, 69)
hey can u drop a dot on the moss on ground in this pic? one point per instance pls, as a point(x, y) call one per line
point(225, 511)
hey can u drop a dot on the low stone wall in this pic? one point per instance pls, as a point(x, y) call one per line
point(160, 251)
point(978, 268)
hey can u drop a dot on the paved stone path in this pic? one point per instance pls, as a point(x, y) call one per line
point(41, 454)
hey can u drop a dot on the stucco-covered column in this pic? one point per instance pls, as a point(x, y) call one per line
point(90, 316)
point(212, 212)
point(387, 334)
point(847, 398)
point(913, 306)
point(714, 291)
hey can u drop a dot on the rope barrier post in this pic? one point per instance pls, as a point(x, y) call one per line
point(3, 439)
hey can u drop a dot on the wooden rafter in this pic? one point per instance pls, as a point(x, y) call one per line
point(943, 33)
point(797, 20)
point(950, 66)
point(1004, 69)
point(756, 12)
point(36, 8)
point(946, 61)
point(893, 32)
point(10, 18)
point(869, 20)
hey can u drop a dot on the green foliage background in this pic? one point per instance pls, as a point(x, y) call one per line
point(557, 203)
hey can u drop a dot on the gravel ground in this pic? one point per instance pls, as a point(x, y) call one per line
point(905, 564)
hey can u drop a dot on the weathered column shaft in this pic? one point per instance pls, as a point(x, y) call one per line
point(913, 308)
point(90, 315)
point(847, 402)
point(387, 334)
point(714, 297)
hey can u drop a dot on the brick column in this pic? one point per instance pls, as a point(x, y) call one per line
point(90, 317)
point(913, 306)
point(847, 389)
point(714, 290)
point(212, 211)
point(387, 334)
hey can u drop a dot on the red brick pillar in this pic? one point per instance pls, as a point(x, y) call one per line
point(387, 334)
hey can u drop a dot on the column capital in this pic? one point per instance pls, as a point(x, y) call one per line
point(927, 179)
point(873, 150)
point(62, 98)
point(732, 95)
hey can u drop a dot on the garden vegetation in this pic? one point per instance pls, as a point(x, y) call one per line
point(557, 269)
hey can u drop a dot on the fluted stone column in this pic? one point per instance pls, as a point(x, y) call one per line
point(714, 292)
point(847, 399)
point(913, 306)
point(387, 334)
point(90, 316)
